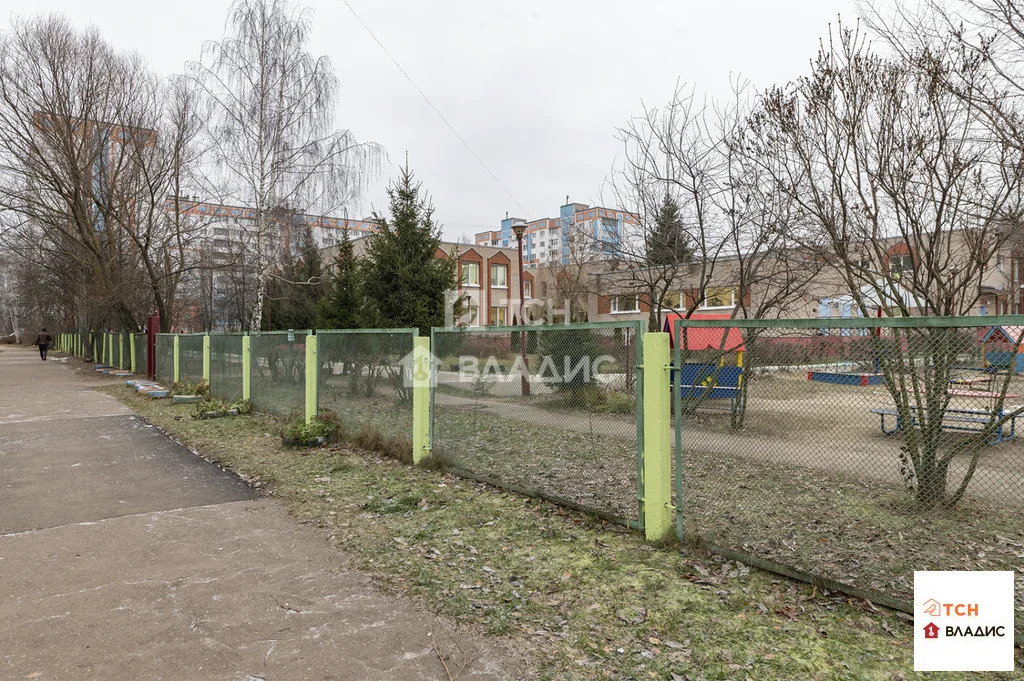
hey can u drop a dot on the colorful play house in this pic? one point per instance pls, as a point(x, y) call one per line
point(710, 379)
point(1000, 351)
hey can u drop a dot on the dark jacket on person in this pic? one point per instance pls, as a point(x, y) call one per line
point(43, 338)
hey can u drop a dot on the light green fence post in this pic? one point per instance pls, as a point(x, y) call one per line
point(246, 368)
point(657, 430)
point(106, 351)
point(177, 363)
point(311, 376)
point(206, 358)
point(421, 388)
point(131, 349)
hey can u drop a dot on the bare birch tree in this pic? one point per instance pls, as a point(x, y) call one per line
point(271, 124)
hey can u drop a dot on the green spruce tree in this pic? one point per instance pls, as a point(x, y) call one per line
point(296, 288)
point(668, 243)
point(404, 282)
point(342, 305)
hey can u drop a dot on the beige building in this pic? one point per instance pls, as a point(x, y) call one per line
point(790, 285)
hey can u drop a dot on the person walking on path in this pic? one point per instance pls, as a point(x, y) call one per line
point(43, 340)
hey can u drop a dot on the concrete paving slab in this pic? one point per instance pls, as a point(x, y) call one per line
point(232, 591)
point(153, 564)
point(100, 468)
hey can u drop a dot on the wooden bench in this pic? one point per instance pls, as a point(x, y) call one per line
point(708, 382)
point(968, 420)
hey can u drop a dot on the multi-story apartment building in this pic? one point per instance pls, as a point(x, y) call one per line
point(580, 232)
point(226, 226)
point(222, 293)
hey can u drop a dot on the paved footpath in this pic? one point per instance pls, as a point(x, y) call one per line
point(124, 556)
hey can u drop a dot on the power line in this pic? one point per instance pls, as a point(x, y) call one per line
point(436, 110)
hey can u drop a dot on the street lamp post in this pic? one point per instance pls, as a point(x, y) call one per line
point(519, 228)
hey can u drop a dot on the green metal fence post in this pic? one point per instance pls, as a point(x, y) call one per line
point(311, 376)
point(657, 450)
point(131, 349)
point(421, 399)
point(206, 358)
point(177, 362)
point(246, 368)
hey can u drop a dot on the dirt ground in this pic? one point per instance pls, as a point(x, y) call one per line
point(809, 481)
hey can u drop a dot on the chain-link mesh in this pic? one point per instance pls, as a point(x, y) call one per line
point(278, 371)
point(190, 358)
point(226, 366)
point(854, 454)
point(125, 358)
point(165, 358)
point(363, 377)
point(574, 437)
point(141, 348)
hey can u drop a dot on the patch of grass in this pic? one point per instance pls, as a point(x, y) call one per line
point(323, 425)
point(202, 388)
point(587, 600)
point(619, 403)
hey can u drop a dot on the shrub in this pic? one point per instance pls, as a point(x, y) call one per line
point(619, 403)
point(323, 425)
point(185, 388)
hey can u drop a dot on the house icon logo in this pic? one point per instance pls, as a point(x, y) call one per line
point(932, 607)
point(931, 630)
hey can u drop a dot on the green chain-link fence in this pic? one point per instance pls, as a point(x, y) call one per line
point(141, 353)
point(190, 358)
point(226, 366)
point(363, 376)
point(278, 360)
point(853, 451)
point(165, 358)
point(575, 437)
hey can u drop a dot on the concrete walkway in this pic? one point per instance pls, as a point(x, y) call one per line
point(124, 556)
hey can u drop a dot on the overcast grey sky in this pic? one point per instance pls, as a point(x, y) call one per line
point(537, 88)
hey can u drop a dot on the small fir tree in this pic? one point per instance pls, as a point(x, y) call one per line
point(404, 283)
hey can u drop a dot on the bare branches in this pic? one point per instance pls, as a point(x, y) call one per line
point(270, 121)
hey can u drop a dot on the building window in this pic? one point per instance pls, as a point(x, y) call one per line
point(673, 300)
point(471, 314)
point(719, 297)
point(901, 263)
point(470, 274)
point(528, 289)
point(498, 316)
point(499, 276)
point(628, 303)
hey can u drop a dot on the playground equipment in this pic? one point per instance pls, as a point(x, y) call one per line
point(712, 379)
point(1000, 349)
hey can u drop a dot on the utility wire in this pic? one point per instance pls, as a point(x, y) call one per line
point(436, 110)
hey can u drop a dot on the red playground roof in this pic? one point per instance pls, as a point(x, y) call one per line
point(706, 338)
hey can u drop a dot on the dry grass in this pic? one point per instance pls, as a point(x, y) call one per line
point(586, 599)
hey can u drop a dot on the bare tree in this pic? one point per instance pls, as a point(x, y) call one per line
point(879, 153)
point(271, 118)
